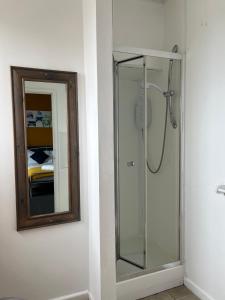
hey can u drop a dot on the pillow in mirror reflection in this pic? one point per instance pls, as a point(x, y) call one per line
point(48, 168)
point(39, 156)
point(50, 154)
point(32, 162)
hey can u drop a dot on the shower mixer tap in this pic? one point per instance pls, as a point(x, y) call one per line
point(169, 95)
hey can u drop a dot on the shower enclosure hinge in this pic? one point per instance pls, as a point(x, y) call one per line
point(116, 68)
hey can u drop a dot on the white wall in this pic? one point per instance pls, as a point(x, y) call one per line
point(175, 24)
point(205, 148)
point(138, 23)
point(91, 91)
point(149, 23)
point(99, 99)
point(106, 148)
point(53, 261)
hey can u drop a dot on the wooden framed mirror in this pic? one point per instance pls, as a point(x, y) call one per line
point(46, 147)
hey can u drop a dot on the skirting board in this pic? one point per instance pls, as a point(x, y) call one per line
point(150, 284)
point(77, 296)
point(197, 290)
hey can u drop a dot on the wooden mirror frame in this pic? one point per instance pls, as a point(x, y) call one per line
point(19, 76)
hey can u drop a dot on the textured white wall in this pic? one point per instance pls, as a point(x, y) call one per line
point(205, 148)
point(49, 262)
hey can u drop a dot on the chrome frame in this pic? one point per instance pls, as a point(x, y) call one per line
point(116, 151)
point(181, 228)
point(146, 159)
point(182, 161)
point(116, 166)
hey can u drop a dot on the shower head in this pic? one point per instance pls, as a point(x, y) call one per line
point(150, 85)
point(166, 94)
point(175, 49)
point(153, 85)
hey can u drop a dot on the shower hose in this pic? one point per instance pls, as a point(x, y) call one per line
point(155, 171)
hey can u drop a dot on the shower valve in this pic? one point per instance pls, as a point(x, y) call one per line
point(169, 94)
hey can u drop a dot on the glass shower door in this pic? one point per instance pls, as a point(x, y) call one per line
point(148, 145)
point(163, 201)
point(131, 167)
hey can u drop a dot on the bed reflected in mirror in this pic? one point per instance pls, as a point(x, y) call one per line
point(47, 147)
point(47, 151)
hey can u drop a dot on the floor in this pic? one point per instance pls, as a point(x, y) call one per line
point(179, 293)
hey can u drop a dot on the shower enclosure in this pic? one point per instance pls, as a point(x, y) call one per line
point(147, 149)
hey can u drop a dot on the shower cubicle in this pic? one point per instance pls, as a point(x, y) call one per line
point(147, 89)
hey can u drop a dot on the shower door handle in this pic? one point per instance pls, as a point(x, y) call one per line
point(130, 164)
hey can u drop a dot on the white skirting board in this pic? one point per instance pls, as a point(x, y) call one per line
point(197, 290)
point(150, 284)
point(77, 296)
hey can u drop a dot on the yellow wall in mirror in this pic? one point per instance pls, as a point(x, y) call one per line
point(39, 136)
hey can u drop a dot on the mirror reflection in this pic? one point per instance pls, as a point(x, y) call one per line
point(47, 147)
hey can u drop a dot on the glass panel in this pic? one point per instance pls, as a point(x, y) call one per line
point(163, 146)
point(147, 123)
point(131, 168)
point(47, 147)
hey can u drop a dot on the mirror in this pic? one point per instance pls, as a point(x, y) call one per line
point(47, 147)
point(46, 139)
